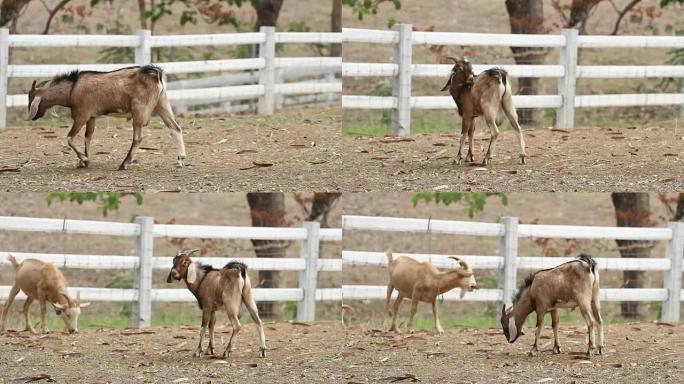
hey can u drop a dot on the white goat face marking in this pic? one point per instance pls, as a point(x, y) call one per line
point(192, 273)
point(34, 108)
point(512, 330)
point(70, 318)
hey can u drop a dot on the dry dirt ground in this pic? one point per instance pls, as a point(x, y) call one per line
point(296, 353)
point(581, 159)
point(636, 353)
point(288, 151)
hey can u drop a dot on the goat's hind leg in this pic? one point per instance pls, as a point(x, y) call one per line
point(235, 322)
point(385, 311)
point(13, 293)
point(395, 313)
point(165, 112)
point(596, 309)
point(492, 141)
point(585, 309)
point(471, 142)
point(27, 315)
point(554, 325)
point(254, 313)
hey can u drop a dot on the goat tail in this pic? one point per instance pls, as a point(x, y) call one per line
point(13, 261)
point(507, 104)
point(390, 258)
point(590, 261)
point(242, 267)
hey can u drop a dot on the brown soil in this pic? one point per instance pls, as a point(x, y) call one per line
point(635, 353)
point(290, 151)
point(581, 159)
point(295, 353)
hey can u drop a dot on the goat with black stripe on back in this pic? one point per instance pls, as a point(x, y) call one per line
point(138, 92)
point(569, 285)
point(483, 95)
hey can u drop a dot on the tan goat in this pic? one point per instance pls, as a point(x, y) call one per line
point(421, 281)
point(43, 282)
point(569, 285)
point(138, 92)
point(484, 95)
point(226, 288)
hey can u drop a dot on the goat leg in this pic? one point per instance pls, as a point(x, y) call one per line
point(43, 320)
point(206, 317)
point(414, 309)
point(471, 141)
point(235, 322)
point(75, 128)
point(210, 348)
point(464, 132)
point(137, 139)
point(13, 293)
point(554, 324)
point(27, 317)
point(585, 309)
point(438, 325)
point(90, 128)
point(492, 141)
point(537, 334)
point(166, 114)
point(395, 314)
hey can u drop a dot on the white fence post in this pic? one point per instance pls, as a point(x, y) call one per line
point(306, 309)
point(509, 250)
point(4, 80)
point(144, 248)
point(143, 52)
point(565, 115)
point(401, 116)
point(267, 74)
point(673, 278)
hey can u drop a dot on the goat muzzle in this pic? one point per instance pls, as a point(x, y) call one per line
point(172, 275)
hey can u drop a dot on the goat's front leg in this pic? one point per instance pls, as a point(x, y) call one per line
point(43, 317)
point(464, 134)
point(79, 122)
point(206, 316)
point(27, 317)
point(492, 141)
point(395, 314)
point(471, 141)
point(440, 330)
point(90, 128)
point(537, 333)
point(554, 324)
point(210, 347)
point(414, 309)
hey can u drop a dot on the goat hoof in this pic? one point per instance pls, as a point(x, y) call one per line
point(590, 353)
point(470, 158)
point(600, 350)
point(556, 350)
point(262, 352)
point(457, 160)
point(123, 167)
point(83, 163)
point(523, 159)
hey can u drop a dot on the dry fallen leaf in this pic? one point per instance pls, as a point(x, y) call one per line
point(181, 380)
point(545, 380)
point(221, 141)
point(246, 151)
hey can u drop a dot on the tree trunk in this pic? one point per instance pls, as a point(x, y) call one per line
point(632, 210)
point(267, 13)
point(579, 13)
point(322, 203)
point(9, 13)
point(679, 212)
point(141, 14)
point(267, 16)
point(527, 16)
point(268, 210)
point(336, 26)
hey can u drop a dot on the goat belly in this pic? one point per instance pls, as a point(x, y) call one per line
point(565, 304)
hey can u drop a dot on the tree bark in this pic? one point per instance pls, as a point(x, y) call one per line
point(267, 13)
point(10, 11)
point(322, 203)
point(141, 14)
point(336, 26)
point(679, 213)
point(268, 210)
point(632, 210)
point(527, 16)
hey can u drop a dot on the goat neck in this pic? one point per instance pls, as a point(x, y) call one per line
point(59, 94)
point(446, 281)
point(201, 274)
point(521, 309)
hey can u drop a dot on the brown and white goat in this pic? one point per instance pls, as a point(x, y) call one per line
point(138, 92)
point(483, 95)
point(43, 282)
point(421, 281)
point(569, 285)
point(214, 289)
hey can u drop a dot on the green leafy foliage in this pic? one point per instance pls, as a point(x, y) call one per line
point(474, 202)
point(106, 201)
point(364, 7)
point(664, 3)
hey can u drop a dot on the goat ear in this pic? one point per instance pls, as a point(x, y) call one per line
point(58, 306)
point(192, 273)
point(448, 84)
point(83, 305)
point(33, 109)
point(33, 86)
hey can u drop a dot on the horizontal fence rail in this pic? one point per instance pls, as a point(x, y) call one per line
point(308, 265)
point(269, 86)
point(402, 70)
point(508, 262)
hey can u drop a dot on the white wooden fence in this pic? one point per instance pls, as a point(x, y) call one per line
point(144, 231)
point(508, 262)
point(567, 71)
point(267, 64)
